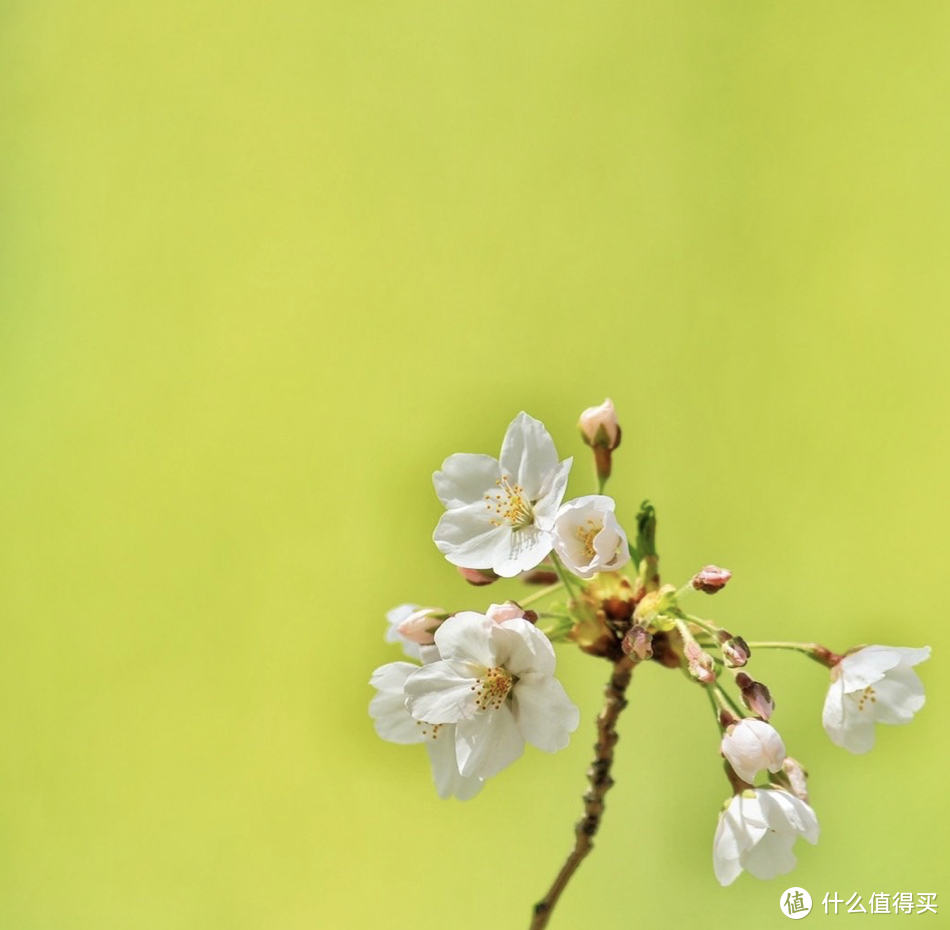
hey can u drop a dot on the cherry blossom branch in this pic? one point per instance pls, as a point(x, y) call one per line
point(813, 650)
point(600, 782)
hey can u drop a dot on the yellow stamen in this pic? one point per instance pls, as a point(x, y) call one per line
point(586, 535)
point(492, 688)
point(509, 505)
point(866, 695)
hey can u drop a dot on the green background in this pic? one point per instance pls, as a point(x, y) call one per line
point(264, 265)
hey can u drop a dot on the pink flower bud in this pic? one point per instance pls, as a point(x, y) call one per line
point(711, 579)
point(701, 665)
point(599, 427)
point(638, 642)
point(478, 576)
point(755, 696)
point(735, 650)
point(502, 612)
point(420, 625)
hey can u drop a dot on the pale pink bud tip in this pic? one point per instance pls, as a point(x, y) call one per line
point(599, 427)
point(502, 612)
point(711, 579)
point(420, 625)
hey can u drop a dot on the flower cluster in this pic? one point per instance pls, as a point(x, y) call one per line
point(482, 684)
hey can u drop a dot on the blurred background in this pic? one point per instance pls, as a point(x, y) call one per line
point(264, 266)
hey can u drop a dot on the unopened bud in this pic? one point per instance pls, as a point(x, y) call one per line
point(540, 576)
point(502, 612)
point(421, 624)
point(701, 664)
point(478, 576)
point(599, 427)
point(735, 650)
point(638, 642)
point(797, 778)
point(711, 579)
point(755, 696)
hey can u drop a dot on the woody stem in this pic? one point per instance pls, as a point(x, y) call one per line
point(600, 782)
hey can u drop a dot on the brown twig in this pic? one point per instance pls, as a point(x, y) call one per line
point(600, 781)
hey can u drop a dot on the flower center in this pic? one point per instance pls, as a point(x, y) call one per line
point(509, 505)
point(865, 697)
point(586, 535)
point(492, 688)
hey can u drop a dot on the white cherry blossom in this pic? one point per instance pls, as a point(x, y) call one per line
point(495, 682)
point(587, 537)
point(756, 832)
point(751, 746)
point(500, 512)
point(394, 723)
point(873, 684)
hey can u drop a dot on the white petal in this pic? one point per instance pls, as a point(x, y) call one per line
point(466, 537)
point(797, 813)
point(610, 544)
point(465, 478)
point(436, 693)
point(519, 551)
point(522, 648)
point(899, 696)
point(466, 788)
point(787, 817)
point(392, 676)
point(488, 742)
point(391, 719)
point(867, 666)
point(527, 454)
point(467, 637)
point(568, 542)
point(429, 654)
point(544, 713)
point(911, 656)
point(730, 841)
point(599, 502)
point(445, 770)
point(857, 733)
point(770, 857)
point(551, 495)
point(754, 824)
point(832, 715)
